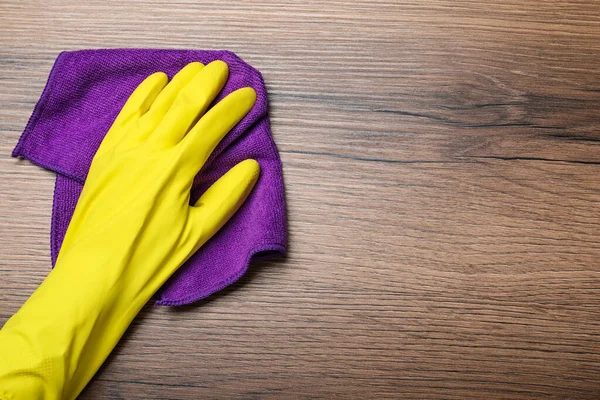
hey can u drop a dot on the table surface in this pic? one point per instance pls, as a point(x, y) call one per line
point(442, 165)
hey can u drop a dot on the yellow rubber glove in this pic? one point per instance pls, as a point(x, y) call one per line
point(132, 228)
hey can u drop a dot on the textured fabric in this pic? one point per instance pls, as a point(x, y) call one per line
point(84, 93)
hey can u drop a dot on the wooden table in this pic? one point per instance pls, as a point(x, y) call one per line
point(442, 168)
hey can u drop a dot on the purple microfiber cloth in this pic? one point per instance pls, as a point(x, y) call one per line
point(85, 92)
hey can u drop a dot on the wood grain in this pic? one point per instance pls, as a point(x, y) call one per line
point(441, 161)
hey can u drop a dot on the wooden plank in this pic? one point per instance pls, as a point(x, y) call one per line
point(441, 165)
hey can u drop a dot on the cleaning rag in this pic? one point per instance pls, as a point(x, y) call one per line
point(83, 95)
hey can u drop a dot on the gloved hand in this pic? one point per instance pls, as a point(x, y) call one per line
point(132, 228)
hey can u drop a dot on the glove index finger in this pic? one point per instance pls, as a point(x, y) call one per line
point(202, 139)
